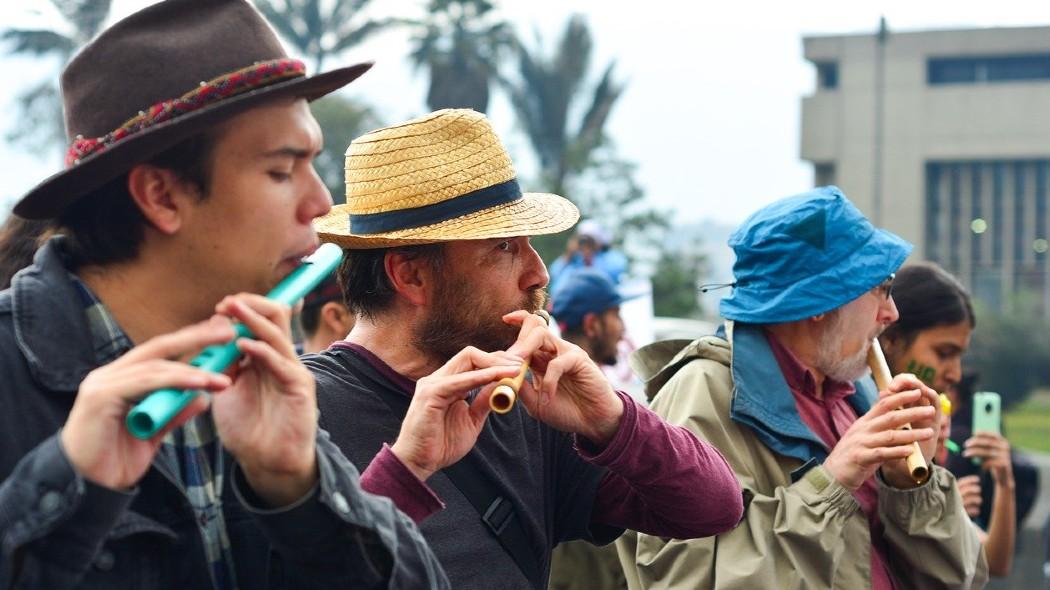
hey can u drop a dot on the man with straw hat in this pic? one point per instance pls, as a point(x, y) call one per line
point(443, 279)
point(189, 187)
point(782, 391)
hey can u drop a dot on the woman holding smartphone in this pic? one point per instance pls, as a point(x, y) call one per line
point(934, 329)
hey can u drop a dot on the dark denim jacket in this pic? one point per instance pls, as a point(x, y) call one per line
point(58, 530)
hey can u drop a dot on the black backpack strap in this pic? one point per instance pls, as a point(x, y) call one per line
point(497, 512)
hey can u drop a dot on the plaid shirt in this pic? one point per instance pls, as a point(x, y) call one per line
point(191, 452)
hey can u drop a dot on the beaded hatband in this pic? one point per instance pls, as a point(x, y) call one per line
point(225, 86)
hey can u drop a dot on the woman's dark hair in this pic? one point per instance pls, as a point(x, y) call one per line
point(19, 240)
point(927, 297)
point(366, 287)
point(106, 226)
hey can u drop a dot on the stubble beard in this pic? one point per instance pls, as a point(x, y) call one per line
point(461, 316)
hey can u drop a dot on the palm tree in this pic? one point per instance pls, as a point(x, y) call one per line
point(41, 127)
point(321, 29)
point(549, 88)
point(461, 46)
point(342, 119)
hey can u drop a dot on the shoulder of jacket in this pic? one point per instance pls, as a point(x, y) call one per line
point(657, 363)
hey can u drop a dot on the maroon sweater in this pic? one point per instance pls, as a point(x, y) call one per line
point(661, 479)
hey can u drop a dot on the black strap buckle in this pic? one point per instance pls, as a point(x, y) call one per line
point(498, 514)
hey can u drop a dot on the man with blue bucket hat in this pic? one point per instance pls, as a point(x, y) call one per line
point(782, 390)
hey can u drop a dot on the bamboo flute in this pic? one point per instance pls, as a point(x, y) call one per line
point(880, 371)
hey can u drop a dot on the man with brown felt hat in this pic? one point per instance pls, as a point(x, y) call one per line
point(189, 189)
point(439, 269)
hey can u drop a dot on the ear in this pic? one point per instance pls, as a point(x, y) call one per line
point(160, 194)
point(591, 323)
point(336, 316)
point(409, 275)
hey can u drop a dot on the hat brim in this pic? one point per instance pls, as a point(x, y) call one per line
point(52, 196)
point(879, 257)
point(532, 215)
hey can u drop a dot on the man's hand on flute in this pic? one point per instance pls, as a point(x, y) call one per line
point(568, 392)
point(875, 440)
point(442, 424)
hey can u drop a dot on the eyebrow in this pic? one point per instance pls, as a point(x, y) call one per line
point(290, 152)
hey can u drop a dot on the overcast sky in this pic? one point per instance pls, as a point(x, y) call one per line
point(712, 104)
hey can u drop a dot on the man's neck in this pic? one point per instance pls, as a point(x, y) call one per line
point(142, 298)
point(390, 337)
point(800, 339)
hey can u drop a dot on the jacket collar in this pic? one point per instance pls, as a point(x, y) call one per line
point(49, 323)
point(763, 401)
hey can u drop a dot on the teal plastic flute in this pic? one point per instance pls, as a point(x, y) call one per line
point(154, 412)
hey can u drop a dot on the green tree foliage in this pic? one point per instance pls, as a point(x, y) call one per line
point(41, 127)
point(319, 29)
point(1011, 351)
point(545, 97)
point(608, 191)
point(564, 117)
point(675, 281)
point(342, 120)
point(461, 45)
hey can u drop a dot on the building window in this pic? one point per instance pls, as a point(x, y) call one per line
point(975, 70)
point(987, 222)
point(827, 75)
point(823, 174)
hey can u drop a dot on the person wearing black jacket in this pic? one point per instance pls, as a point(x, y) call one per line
point(189, 188)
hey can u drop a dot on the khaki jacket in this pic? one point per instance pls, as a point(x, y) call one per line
point(801, 529)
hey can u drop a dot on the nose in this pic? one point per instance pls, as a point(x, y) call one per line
point(953, 372)
point(316, 200)
point(887, 312)
point(534, 275)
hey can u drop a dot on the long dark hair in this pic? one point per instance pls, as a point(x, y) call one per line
point(19, 240)
point(927, 297)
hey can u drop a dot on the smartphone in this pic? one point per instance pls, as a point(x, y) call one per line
point(986, 414)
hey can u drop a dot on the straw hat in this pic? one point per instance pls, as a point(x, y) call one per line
point(438, 178)
point(160, 76)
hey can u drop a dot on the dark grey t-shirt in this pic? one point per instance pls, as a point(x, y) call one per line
point(535, 467)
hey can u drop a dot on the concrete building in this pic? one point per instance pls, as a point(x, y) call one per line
point(944, 138)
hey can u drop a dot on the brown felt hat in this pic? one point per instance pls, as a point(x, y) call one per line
point(160, 76)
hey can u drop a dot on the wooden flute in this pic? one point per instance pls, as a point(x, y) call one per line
point(506, 393)
point(880, 371)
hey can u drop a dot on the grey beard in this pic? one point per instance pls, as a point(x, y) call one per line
point(849, 369)
point(845, 370)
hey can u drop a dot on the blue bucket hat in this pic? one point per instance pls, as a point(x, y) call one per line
point(807, 255)
point(585, 291)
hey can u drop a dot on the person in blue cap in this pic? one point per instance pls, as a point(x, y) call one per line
point(587, 309)
point(782, 390)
